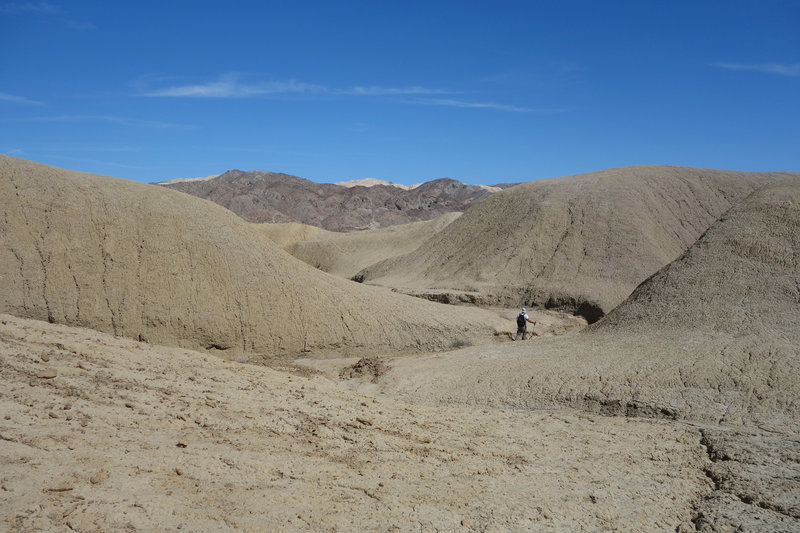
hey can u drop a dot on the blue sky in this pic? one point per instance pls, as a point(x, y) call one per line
point(406, 91)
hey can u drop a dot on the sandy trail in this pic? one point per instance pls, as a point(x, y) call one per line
point(131, 436)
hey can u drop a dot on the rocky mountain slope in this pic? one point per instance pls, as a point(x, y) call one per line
point(259, 196)
point(149, 263)
point(581, 242)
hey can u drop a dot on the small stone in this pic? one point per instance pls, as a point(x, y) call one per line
point(129, 405)
point(51, 414)
point(47, 373)
point(60, 487)
point(99, 477)
point(465, 524)
point(182, 444)
point(45, 357)
point(178, 470)
point(212, 404)
point(83, 366)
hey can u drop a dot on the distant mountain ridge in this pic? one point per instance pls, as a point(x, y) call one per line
point(260, 196)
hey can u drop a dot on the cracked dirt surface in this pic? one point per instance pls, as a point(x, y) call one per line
point(101, 433)
point(756, 476)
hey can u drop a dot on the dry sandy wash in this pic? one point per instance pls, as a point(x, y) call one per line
point(105, 434)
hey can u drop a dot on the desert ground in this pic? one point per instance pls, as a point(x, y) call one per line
point(131, 436)
point(166, 365)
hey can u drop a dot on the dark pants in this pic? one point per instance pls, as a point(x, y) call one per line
point(521, 330)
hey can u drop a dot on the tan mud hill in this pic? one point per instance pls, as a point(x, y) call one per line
point(288, 234)
point(712, 337)
point(346, 254)
point(145, 262)
point(579, 242)
point(107, 434)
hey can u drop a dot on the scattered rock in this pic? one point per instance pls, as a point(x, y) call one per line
point(47, 373)
point(366, 367)
point(182, 444)
point(99, 477)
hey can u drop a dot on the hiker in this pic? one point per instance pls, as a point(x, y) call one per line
point(522, 324)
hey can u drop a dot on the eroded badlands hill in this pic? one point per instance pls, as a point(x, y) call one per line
point(259, 196)
point(712, 337)
point(146, 262)
point(346, 254)
point(579, 242)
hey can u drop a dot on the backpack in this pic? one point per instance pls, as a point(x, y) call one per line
point(520, 320)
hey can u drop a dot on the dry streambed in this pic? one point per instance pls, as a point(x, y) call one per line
point(101, 433)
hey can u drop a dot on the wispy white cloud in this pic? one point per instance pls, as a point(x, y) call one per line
point(15, 8)
point(5, 97)
point(375, 90)
point(448, 102)
point(229, 86)
point(769, 68)
point(124, 121)
point(45, 9)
